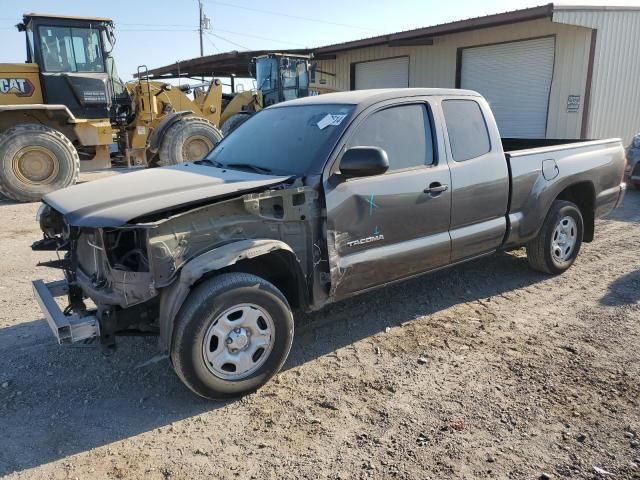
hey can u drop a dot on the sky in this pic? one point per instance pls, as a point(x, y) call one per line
point(161, 32)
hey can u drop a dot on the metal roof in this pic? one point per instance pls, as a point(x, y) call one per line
point(415, 36)
point(27, 16)
point(221, 65)
point(236, 63)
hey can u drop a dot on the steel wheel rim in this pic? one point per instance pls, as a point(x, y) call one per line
point(196, 147)
point(35, 165)
point(564, 239)
point(238, 342)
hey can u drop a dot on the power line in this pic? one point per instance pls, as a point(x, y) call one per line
point(215, 47)
point(259, 38)
point(155, 25)
point(297, 17)
point(228, 41)
point(157, 30)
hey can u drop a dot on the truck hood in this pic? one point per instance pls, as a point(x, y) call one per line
point(114, 201)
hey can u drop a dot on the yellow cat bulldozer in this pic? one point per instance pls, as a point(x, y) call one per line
point(66, 109)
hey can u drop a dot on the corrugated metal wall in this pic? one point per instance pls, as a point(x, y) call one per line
point(615, 91)
point(435, 65)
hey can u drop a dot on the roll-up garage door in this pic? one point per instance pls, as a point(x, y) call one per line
point(388, 73)
point(515, 78)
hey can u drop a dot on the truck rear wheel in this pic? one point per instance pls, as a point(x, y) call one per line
point(35, 160)
point(558, 243)
point(189, 139)
point(232, 334)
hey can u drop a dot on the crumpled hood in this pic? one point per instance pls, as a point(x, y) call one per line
point(114, 201)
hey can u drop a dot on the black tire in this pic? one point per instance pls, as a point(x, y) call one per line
point(202, 308)
point(189, 139)
point(540, 251)
point(35, 160)
point(234, 122)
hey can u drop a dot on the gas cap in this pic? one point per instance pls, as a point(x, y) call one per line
point(550, 169)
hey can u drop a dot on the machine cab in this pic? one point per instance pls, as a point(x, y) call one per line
point(74, 58)
point(282, 77)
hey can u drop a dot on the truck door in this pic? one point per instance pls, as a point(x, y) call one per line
point(479, 177)
point(386, 227)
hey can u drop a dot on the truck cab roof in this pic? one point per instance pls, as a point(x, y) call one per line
point(364, 98)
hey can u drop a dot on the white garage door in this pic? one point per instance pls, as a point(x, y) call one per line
point(389, 73)
point(515, 78)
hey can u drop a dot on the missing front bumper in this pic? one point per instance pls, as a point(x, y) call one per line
point(66, 328)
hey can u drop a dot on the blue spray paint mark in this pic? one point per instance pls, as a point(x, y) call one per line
point(372, 204)
point(376, 232)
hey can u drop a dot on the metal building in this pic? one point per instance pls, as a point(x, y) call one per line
point(548, 72)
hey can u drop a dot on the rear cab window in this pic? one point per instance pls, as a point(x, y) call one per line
point(403, 131)
point(467, 128)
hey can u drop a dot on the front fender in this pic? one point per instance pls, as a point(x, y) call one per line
point(173, 296)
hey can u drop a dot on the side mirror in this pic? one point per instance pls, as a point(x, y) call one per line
point(363, 162)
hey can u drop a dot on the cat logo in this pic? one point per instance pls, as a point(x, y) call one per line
point(20, 87)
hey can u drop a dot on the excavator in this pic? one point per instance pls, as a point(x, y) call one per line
point(66, 109)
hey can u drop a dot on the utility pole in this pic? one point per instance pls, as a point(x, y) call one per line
point(201, 26)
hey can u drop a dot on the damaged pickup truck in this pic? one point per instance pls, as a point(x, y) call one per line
point(309, 202)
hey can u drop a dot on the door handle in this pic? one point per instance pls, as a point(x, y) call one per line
point(436, 188)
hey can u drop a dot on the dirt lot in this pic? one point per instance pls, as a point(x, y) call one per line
point(489, 370)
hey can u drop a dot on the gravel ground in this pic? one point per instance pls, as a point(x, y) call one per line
point(488, 370)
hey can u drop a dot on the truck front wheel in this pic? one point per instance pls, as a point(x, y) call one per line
point(558, 243)
point(232, 334)
point(35, 160)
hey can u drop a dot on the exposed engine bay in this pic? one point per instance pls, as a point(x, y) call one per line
point(126, 270)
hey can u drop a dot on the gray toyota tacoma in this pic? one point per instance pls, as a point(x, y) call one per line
point(307, 203)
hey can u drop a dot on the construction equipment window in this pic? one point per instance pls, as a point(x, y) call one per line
point(67, 49)
point(295, 79)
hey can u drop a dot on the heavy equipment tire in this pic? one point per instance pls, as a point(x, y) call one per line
point(234, 122)
point(558, 243)
point(35, 160)
point(231, 335)
point(189, 139)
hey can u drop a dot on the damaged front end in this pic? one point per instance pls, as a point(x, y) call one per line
point(107, 275)
point(129, 279)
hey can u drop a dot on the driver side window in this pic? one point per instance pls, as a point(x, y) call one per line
point(404, 132)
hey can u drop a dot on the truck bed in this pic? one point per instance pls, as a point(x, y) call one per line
point(514, 144)
point(540, 168)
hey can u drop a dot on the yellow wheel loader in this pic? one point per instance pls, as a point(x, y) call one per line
point(278, 76)
point(66, 109)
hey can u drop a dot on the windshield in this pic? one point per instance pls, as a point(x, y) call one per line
point(67, 49)
point(292, 140)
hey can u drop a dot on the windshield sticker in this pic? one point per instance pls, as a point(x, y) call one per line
point(330, 120)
